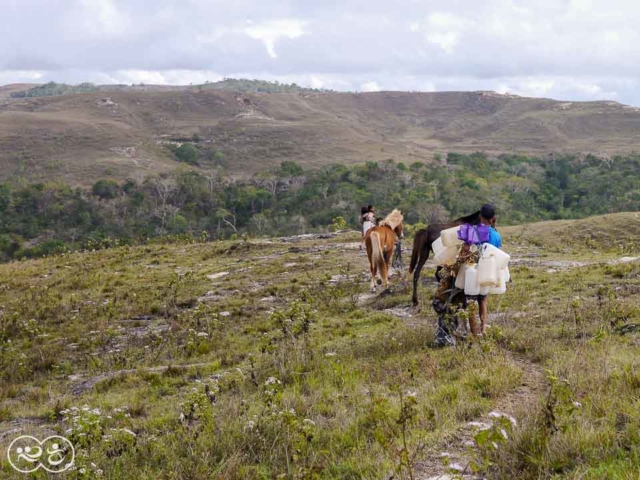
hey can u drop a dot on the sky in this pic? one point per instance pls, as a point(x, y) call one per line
point(562, 49)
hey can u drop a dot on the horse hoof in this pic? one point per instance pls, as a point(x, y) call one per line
point(379, 281)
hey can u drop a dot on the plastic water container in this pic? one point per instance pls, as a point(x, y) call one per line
point(446, 256)
point(471, 285)
point(507, 274)
point(461, 276)
point(437, 246)
point(487, 272)
point(502, 258)
point(450, 237)
point(502, 284)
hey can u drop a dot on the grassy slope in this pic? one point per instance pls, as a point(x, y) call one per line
point(75, 138)
point(618, 232)
point(98, 329)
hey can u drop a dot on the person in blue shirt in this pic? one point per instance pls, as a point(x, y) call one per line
point(487, 217)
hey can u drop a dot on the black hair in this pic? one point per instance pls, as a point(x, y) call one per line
point(363, 210)
point(369, 208)
point(487, 211)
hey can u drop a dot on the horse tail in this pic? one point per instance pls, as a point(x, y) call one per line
point(415, 253)
point(377, 253)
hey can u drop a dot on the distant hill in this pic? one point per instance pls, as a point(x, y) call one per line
point(53, 89)
point(6, 91)
point(128, 131)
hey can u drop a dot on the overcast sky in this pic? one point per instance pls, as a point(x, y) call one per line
point(564, 49)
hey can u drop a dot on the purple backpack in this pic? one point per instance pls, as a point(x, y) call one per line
point(473, 234)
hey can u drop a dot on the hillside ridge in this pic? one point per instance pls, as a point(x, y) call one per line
point(79, 138)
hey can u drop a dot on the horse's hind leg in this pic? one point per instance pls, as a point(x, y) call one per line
point(373, 278)
point(384, 274)
point(424, 256)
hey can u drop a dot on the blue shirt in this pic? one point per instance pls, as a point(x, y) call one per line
point(494, 238)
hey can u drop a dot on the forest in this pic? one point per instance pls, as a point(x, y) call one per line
point(46, 218)
point(52, 89)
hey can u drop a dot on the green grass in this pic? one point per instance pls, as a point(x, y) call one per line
point(274, 371)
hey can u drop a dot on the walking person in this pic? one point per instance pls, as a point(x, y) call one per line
point(369, 220)
point(361, 220)
point(450, 300)
point(487, 218)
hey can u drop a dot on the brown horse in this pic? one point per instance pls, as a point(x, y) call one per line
point(380, 241)
point(422, 246)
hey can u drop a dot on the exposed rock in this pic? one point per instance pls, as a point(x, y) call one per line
point(215, 276)
point(307, 236)
point(400, 312)
point(628, 259)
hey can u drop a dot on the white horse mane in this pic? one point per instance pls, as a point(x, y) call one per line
point(393, 219)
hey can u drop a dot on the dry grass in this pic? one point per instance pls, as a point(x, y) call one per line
point(139, 332)
point(73, 137)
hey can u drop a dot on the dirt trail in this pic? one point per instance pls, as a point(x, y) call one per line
point(515, 403)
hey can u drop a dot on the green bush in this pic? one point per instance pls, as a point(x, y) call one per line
point(187, 153)
point(105, 189)
point(45, 249)
point(9, 245)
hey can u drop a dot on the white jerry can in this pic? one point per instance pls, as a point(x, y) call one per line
point(461, 276)
point(450, 237)
point(471, 285)
point(487, 272)
point(437, 246)
point(502, 258)
point(502, 284)
point(446, 256)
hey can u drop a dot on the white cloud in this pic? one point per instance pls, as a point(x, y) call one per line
point(370, 87)
point(446, 41)
point(316, 82)
point(574, 49)
point(20, 76)
point(444, 29)
point(103, 18)
point(270, 31)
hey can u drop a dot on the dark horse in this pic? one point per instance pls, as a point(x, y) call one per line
point(422, 246)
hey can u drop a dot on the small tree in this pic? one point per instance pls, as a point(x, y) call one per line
point(187, 153)
point(219, 159)
point(338, 223)
point(105, 189)
point(291, 168)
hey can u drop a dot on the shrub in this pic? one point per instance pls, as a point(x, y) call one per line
point(105, 189)
point(187, 153)
point(9, 245)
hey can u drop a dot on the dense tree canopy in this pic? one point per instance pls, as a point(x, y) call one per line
point(289, 199)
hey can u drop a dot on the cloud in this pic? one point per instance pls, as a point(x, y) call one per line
point(102, 19)
point(573, 49)
point(370, 87)
point(270, 31)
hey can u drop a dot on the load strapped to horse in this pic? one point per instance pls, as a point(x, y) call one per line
point(469, 269)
